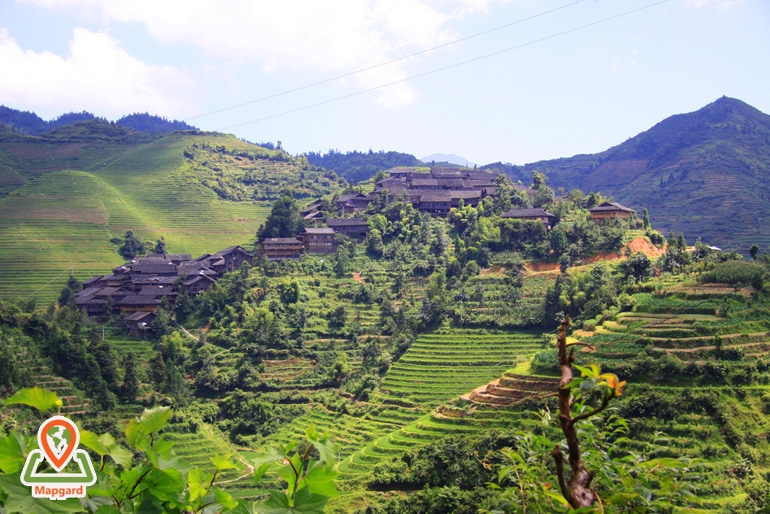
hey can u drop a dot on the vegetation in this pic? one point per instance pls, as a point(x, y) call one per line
point(702, 173)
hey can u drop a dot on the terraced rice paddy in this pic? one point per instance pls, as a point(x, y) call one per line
point(62, 222)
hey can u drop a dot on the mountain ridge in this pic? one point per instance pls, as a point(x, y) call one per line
point(703, 173)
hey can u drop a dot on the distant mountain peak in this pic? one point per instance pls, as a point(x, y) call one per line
point(449, 158)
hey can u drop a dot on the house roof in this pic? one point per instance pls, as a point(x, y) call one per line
point(136, 299)
point(438, 196)
point(197, 278)
point(346, 222)
point(282, 240)
point(145, 268)
point(610, 206)
point(417, 182)
point(528, 213)
point(314, 215)
point(469, 194)
point(166, 257)
point(319, 231)
point(140, 316)
point(92, 280)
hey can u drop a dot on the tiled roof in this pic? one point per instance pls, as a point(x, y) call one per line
point(319, 231)
point(345, 222)
point(528, 213)
point(610, 206)
point(282, 240)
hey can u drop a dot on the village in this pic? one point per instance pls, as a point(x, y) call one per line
point(136, 289)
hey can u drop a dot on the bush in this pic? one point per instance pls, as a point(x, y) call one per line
point(735, 273)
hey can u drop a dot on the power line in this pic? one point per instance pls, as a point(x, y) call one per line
point(386, 63)
point(451, 66)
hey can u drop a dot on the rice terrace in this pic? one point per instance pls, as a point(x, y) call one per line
point(229, 327)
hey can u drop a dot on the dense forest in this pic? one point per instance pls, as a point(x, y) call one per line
point(31, 124)
point(357, 166)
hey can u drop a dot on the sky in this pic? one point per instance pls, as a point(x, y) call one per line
point(490, 80)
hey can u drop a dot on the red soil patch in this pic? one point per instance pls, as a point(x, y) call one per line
point(640, 244)
point(357, 277)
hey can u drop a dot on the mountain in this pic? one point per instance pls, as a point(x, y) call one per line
point(448, 158)
point(31, 124)
point(358, 166)
point(705, 174)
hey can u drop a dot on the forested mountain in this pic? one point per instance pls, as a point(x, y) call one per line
point(705, 173)
point(32, 124)
point(358, 166)
point(146, 122)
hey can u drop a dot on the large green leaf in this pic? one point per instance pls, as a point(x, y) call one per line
point(195, 484)
point(320, 479)
point(40, 399)
point(19, 499)
point(225, 499)
point(12, 453)
point(91, 440)
point(150, 422)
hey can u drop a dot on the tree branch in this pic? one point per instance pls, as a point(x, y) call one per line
point(577, 489)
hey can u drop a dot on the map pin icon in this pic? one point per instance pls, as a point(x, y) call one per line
point(58, 437)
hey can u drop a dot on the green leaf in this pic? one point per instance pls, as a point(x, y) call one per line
point(40, 399)
point(19, 499)
point(165, 485)
point(12, 453)
point(121, 456)
point(263, 461)
point(91, 440)
point(320, 480)
point(107, 509)
point(326, 448)
point(222, 462)
point(150, 422)
point(278, 503)
point(307, 502)
point(225, 499)
point(195, 484)
point(584, 371)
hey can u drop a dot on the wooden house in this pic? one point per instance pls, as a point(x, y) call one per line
point(196, 284)
point(319, 240)
point(469, 197)
point(439, 203)
point(355, 228)
point(539, 214)
point(610, 210)
point(278, 248)
point(350, 203)
point(139, 323)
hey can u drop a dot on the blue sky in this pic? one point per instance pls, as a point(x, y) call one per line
point(577, 76)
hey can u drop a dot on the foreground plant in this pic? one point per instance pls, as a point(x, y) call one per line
point(148, 476)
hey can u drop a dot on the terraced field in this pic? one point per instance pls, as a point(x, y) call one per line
point(62, 221)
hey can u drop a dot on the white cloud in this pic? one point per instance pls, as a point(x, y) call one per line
point(97, 75)
point(327, 37)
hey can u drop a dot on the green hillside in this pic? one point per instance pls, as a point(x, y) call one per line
point(703, 173)
point(70, 191)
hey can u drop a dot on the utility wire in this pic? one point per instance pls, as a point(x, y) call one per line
point(451, 66)
point(386, 63)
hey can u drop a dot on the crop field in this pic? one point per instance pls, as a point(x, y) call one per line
point(62, 221)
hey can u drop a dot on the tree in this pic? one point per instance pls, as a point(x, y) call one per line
point(646, 220)
point(160, 246)
point(754, 251)
point(132, 246)
point(67, 295)
point(284, 219)
point(130, 382)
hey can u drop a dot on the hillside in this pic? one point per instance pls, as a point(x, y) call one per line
point(703, 173)
point(66, 193)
